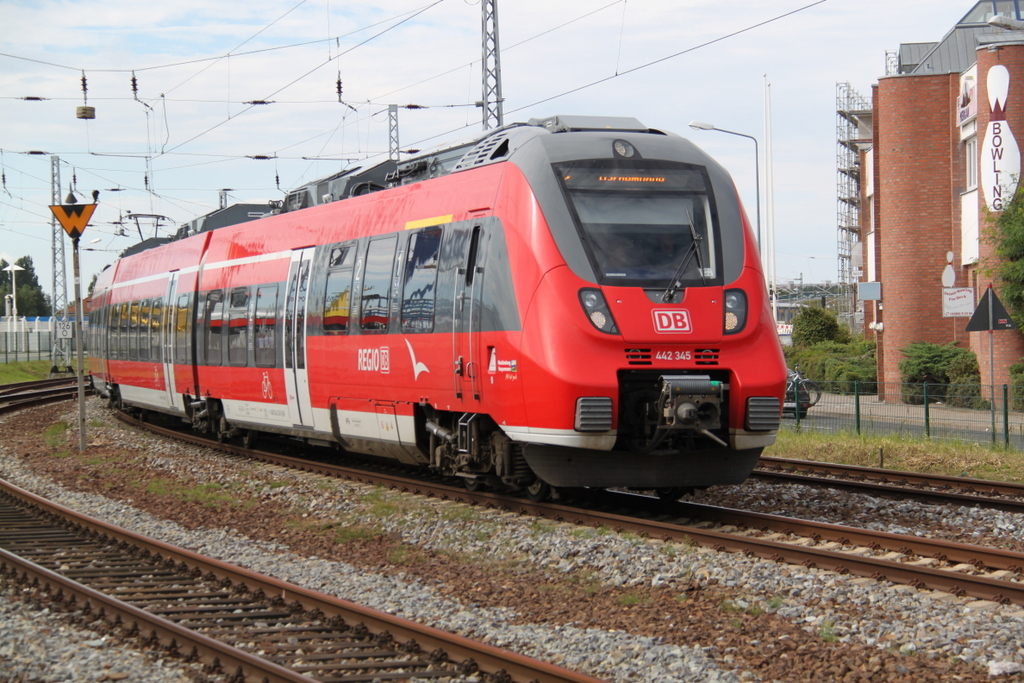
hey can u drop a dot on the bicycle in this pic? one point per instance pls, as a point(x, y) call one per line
point(808, 391)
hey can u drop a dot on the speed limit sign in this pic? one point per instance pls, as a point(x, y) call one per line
point(65, 330)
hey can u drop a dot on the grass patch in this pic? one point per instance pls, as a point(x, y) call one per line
point(53, 436)
point(460, 513)
point(356, 532)
point(629, 599)
point(24, 371)
point(210, 495)
point(828, 631)
point(913, 454)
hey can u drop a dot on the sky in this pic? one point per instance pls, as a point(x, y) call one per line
point(189, 128)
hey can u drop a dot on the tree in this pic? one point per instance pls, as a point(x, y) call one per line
point(813, 325)
point(31, 299)
point(1008, 239)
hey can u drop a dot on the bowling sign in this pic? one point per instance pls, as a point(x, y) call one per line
point(1000, 155)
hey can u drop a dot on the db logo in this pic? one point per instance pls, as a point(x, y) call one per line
point(674, 321)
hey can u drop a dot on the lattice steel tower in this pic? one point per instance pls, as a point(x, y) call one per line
point(853, 113)
point(61, 348)
point(491, 66)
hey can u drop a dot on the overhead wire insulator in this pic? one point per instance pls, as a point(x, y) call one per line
point(85, 89)
point(135, 86)
point(145, 180)
point(338, 85)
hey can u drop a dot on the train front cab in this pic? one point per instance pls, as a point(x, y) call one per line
point(654, 338)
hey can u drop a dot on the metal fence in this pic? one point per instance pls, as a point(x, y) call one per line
point(26, 345)
point(970, 413)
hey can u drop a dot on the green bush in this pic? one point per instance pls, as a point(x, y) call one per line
point(813, 325)
point(1017, 385)
point(940, 365)
point(835, 366)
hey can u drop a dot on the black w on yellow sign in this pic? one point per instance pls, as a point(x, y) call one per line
point(73, 217)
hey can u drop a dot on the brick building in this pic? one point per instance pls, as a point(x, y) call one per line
point(941, 159)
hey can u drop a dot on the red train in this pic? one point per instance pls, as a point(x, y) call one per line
point(574, 301)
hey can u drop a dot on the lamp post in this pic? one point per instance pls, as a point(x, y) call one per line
point(700, 125)
point(13, 269)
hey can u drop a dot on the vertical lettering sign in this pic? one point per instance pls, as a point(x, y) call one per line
point(1000, 155)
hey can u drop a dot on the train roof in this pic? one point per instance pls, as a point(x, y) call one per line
point(492, 146)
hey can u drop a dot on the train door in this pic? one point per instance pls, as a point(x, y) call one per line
point(295, 372)
point(167, 331)
point(466, 322)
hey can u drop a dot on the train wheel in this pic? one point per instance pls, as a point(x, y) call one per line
point(222, 430)
point(673, 493)
point(250, 438)
point(538, 491)
point(474, 485)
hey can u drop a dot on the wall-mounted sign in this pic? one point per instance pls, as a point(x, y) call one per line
point(967, 102)
point(1000, 155)
point(957, 302)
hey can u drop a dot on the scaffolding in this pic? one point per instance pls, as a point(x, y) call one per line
point(853, 131)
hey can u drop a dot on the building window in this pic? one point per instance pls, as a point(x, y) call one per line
point(971, 162)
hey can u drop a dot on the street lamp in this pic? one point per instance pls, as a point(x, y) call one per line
point(700, 125)
point(13, 269)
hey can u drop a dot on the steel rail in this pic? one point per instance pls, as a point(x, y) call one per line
point(960, 583)
point(18, 387)
point(172, 636)
point(888, 482)
point(489, 659)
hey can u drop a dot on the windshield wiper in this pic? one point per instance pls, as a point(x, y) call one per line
point(694, 250)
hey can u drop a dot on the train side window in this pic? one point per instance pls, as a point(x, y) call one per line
point(338, 293)
point(420, 281)
point(144, 309)
point(213, 324)
point(156, 325)
point(132, 331)
point(376, 294)
point(122, 332)
point(181, 330)
point(265, 327)
point(113, 320)
point(238, 326)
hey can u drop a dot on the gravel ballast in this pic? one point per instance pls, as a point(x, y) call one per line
point(617, 607)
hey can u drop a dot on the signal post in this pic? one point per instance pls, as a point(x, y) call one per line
point(73, 217)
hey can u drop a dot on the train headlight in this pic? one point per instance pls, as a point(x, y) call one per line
point(735, 311)
point(597, 311)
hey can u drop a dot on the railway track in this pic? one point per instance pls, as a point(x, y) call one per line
point(244, 625)
point(957, 568)
point(935, 488)
point(27, 394)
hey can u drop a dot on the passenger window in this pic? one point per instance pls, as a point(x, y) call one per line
point(376, 295)
point(133, 331)
point(265, 326)
point(420, 281)
point(181, 330)
point(156, 324)
point(338, 294)
point(144, 330)
point(238, 326)
point(213, 327)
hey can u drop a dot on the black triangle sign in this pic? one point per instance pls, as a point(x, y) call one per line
point(1000, 318)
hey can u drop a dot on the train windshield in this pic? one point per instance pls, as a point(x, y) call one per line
point(643, 223)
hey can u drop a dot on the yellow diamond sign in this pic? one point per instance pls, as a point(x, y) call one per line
point(73, 217)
